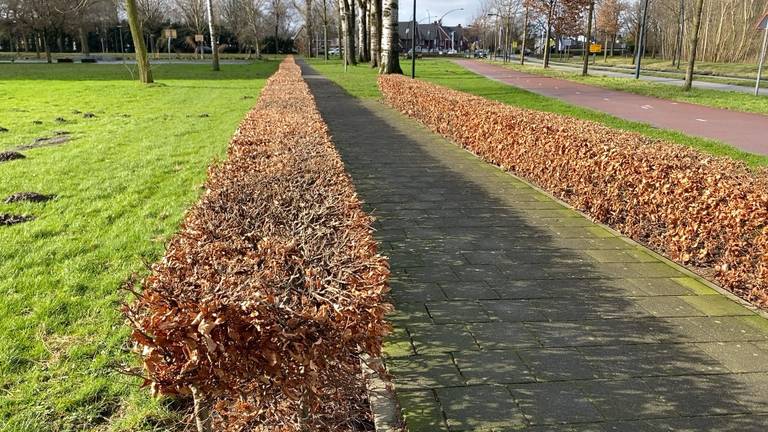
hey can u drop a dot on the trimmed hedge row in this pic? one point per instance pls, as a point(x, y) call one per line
point(273, 286)
point(706, 212)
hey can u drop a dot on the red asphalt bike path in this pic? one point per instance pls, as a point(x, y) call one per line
point(746, 131)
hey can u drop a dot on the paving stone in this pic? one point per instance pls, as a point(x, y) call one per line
point(424, 372)
point(487, 272)
point(431, 274)
point(480, 408)
point(620, 256)
point(416, 292)
point(553, 403)
point(503, 335)
point(628, 361)
point(713, 329)
point(628, 399)
point(717, 305)
point(492, 367)
point(737, 356)
point(513, 310)
point(657, 287)
point(666, 306)
point(421, 411)
point(558, 364)
point(697, 395)
point(695, 286)
point(441, 338)
point(468, 291)
point(563, 334)
point(398, 344)
point(750, 390)
point(457, 312)
point(730, 423)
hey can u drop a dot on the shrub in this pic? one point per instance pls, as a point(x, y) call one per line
point(705, 212)
point(273, 287)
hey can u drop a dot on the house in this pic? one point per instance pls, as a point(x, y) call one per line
point(432, 37)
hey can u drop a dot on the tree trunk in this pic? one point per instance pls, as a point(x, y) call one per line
point(390, 54)
point(145, 73)
point(84, 48)
point(203, 419)
point(375, 33)
point(694, 42)
point(347, 34)
point(548, 33)
point(325, 29)
point(47, 47)
point(585, 66)
point(212, 29)
point(310, 30)
point(362, 30)
point(525, 36)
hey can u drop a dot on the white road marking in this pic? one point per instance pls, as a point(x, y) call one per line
point(646, 107)
point(606, 99)
point(700, 120)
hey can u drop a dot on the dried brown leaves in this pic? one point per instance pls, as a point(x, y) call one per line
point(273, 286)
point(700, 210)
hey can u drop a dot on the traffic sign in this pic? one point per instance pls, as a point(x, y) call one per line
point(595, 48)
point(170, 33)
point(199, 38)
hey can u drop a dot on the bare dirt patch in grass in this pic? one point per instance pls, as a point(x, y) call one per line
point(10, 155)
point(28, 197)
point(45, 142)
point(7, 219)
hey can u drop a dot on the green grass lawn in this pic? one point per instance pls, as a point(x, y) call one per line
point(360, 81)
point(736, 101)
point(739, 70)
point(123, 184)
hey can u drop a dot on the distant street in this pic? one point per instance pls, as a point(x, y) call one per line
point(745, 131)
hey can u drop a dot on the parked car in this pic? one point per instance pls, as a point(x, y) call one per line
point(334, 51)
point(481, 54)
point(452, 52)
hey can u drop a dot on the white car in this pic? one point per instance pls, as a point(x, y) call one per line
point(334, 51)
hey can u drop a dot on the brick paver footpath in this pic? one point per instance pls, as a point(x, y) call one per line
point(515, 312)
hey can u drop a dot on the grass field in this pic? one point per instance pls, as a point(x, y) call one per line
point(360, 81)
point(712, 98)
point(122, 184)
point(739, 70)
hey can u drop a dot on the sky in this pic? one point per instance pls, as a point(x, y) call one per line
point(438, 7)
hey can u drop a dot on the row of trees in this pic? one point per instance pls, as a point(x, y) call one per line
point(715, 30)
point(727, 26)
point(367, 29)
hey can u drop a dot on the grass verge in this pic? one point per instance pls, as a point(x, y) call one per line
point(360, 81)
point(730, 100)
point(123, 183)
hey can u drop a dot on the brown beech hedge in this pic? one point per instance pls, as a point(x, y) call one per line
point(272, 288)
point(706, 212)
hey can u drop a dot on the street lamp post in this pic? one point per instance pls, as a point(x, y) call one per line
point(641, 42)
point(413, 36)
point(413, 43)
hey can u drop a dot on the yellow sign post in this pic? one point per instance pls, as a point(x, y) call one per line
point(595, 48)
